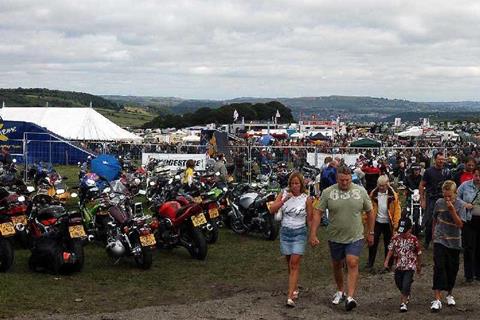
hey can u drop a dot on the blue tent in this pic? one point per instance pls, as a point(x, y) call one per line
point(266, 139)
point(106, 166)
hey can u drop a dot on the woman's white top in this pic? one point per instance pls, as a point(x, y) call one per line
point(294, 211)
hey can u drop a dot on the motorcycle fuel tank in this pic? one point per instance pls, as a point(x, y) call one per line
point(169, 210)
point(247, 199)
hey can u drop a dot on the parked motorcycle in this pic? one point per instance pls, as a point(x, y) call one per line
point(249, 213)
point(14, 207)
point(179, 222)
point(57, 236)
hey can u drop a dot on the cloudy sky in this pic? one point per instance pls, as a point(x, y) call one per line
point(418, 50)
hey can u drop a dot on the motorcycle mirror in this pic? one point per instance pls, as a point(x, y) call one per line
point(30, 189)
point(21, 199)
point(73, 195)
point(142, 192)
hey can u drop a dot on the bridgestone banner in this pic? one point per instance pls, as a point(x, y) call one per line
point(176, 161)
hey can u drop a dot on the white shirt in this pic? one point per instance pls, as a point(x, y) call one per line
point(295, 212)
point(382, 215)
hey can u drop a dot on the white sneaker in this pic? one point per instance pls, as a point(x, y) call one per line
point(450, 301)
point(436, 306)
point(338, 297)
point(403, 307)
point(350, 304)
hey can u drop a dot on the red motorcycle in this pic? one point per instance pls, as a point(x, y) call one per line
point(14, 208)
point(179, 223)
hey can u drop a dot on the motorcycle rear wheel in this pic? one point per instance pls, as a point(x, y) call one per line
point(199, 248)
point(77, 249)
point(212, 236)
point(6, 255)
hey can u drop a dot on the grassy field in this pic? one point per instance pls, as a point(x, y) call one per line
point(127, 118)
point(234, 264)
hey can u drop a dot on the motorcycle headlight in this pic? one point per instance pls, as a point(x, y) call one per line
point(416, 197)
point(136, 181)
point(152, 183)
point(21, 199)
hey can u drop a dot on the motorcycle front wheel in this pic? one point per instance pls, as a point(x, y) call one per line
point(6, 255)
point(144, 260)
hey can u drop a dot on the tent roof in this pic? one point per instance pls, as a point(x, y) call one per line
point(71, 123)
point(365, 143)
point(319, 136)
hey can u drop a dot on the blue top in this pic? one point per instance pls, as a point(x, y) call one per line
point(466, 192)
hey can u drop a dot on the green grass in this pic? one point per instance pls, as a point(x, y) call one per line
point(125, 118)
point(234, 264)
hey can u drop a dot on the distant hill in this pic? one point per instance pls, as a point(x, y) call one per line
point(38, 97)
point(347, 107)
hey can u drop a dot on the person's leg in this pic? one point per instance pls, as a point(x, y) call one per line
point(428, 221)
point(294, 271)
point(399, 279)
point(337, 266)
point(439, 270)
point(407, 285)
point(352, 277)
point(468, 253)
point(387, 236)
point(372, 251)
point(453, 264)
point(476, 246)
point(288, 263)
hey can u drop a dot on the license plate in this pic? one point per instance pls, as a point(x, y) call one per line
point(76, 231)
point(19, 219)
point(7, 229)
point(213, 213)
point(147, 240)
point(199, 219)
point(197, 199)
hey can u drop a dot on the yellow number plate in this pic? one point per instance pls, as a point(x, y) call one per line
point(197, 199)
point(19, 219)
point(213, 213)
point(148, 240)
point(199, 219)
point(7, 229)
point(76, 231)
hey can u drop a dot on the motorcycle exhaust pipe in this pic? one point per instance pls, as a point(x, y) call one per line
point(209, 227)
point(90, 238)
point(220, 224)
point(20, 227)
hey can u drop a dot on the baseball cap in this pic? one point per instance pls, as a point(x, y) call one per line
point(404, 225)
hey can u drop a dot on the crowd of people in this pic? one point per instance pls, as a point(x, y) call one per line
point(363, 212)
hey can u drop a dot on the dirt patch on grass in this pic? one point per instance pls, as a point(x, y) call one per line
point(377, 298)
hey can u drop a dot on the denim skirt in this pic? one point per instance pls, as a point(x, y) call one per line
point(293, 241)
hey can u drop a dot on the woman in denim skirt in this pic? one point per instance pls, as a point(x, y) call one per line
point(295, 205)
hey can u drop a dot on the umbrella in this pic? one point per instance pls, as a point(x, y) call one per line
point(366, 143)
point(266, 139)
point(106, 166)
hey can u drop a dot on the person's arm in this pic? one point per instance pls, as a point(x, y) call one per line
point(315, 222)
point(387, 258)
point(370, 227)
point(309, 209)
point(278, 202)
point(421, 190)
point(453, 213)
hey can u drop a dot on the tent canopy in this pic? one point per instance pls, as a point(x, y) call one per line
point(318, 136)
point(71, 123)
point(365, 143)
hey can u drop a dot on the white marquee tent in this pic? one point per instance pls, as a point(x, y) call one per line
point(71, 123)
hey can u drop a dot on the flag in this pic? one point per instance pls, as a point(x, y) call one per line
point(277, 115)
point(235, 115)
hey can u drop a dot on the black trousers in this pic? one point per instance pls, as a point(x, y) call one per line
point(471, 246)
point(379, 229)
point(404, 280)
point(428, 219)
point(445, 267)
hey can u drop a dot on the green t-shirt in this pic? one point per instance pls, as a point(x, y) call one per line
point(344, 212)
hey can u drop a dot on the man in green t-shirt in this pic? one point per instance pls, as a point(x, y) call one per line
point(345, 202)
